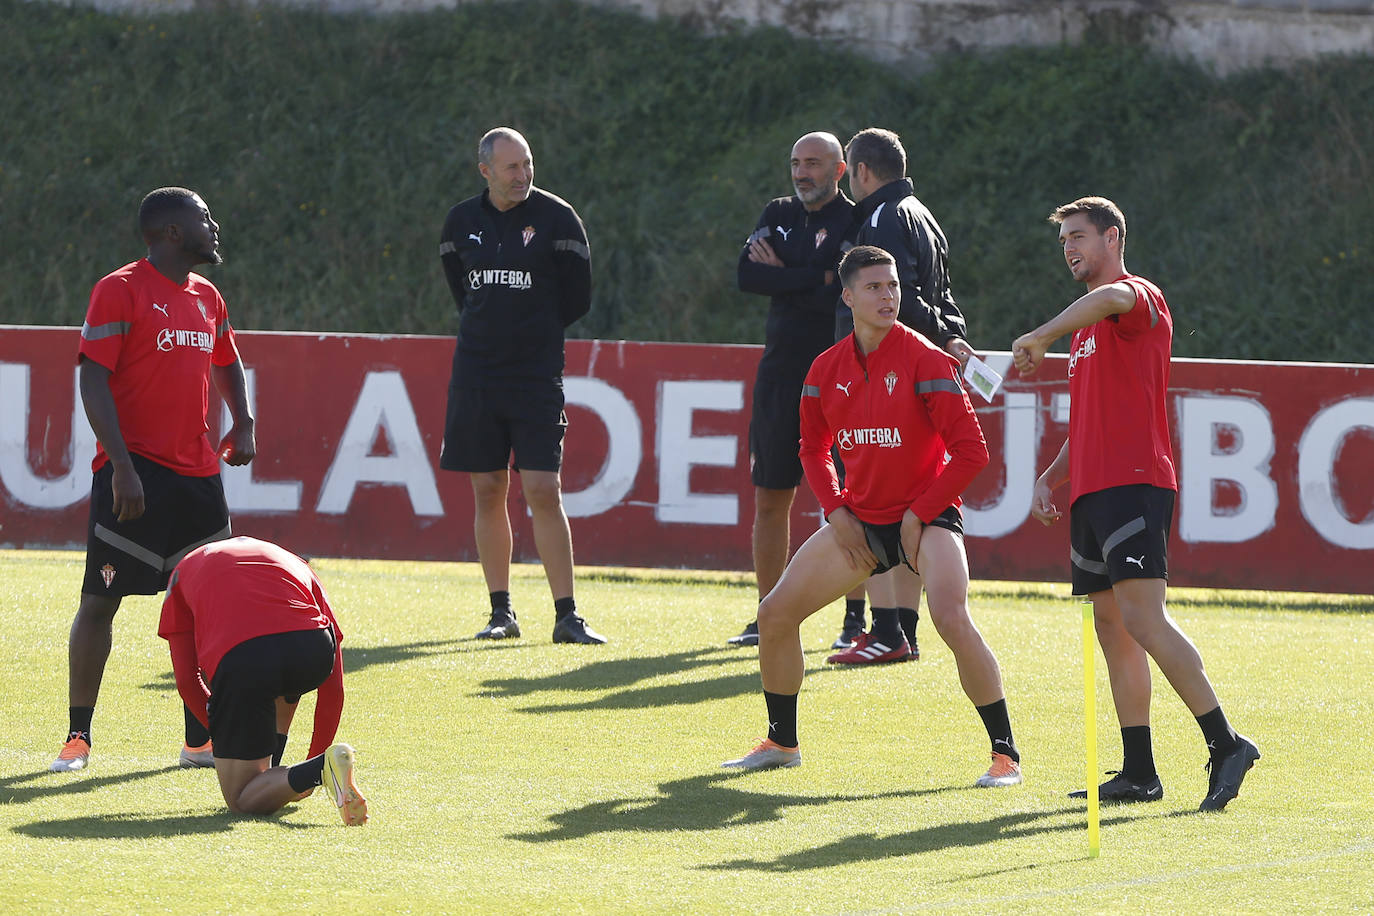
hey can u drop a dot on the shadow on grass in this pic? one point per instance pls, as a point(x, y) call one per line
point(626, 672)
point(869, 847)
point(18, 790)
point(703, 802)
point(139, 826)
point(356, 658)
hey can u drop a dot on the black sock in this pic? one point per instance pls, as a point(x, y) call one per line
point(79, 722)
point(500, 601)
point(306, 775)
point(997, 723)
point(1138, 755)
point(1220, 736)
point(196, 734)
point(281, 750)
point(562, 607)
point(886, 627)
point(782, 718)
point(854, 611)
point(909, 617)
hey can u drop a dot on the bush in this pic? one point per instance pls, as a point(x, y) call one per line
point(329, 147)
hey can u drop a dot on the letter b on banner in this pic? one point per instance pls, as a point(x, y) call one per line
point(1245, 465)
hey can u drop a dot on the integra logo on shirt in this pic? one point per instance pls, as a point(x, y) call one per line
point(1085, 349)
point(169, 338)
point(492, 276)
point(881, 436)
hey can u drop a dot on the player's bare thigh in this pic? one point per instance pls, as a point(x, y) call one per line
point(818, 574)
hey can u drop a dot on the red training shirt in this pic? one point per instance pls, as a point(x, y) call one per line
point(1118, 376)
point(158, 340)
point(234, 590)
point(894, 415)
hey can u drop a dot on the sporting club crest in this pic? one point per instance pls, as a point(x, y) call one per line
point(107, 572)
point(891, 381)
point(527, 234)
point(820, 236)
point(204, 314)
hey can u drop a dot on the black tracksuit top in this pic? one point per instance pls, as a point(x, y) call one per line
point(519, 278)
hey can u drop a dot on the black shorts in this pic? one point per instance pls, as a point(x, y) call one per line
point(775, 432)
point(1119, 533)
point(485, 425)
point(137, 557)
point(886, 540)
point(250, 677)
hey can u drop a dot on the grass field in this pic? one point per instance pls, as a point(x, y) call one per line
point(524, 777)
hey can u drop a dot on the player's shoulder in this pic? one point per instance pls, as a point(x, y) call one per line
point(782, 206)
point(199, 283)
point(120, 283)
point(916, 344)
point(546, 200)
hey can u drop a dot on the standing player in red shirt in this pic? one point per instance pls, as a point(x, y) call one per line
point(1120, 466)
point(251, 621)
point(154, 337)
point(892, 403)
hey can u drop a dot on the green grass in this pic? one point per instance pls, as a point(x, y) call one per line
point(524, 777)
point(330, 147)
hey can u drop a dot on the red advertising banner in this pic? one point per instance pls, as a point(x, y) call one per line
point(1274, 459)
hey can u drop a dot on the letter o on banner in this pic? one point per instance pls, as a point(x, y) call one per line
point(624, 448)
point(1317, 493)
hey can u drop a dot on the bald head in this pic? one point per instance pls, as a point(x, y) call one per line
point(817, 164)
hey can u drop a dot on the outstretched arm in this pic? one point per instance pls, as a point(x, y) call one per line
point(1029, 349)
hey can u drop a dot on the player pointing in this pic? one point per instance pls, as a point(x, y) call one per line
point(1120, 466)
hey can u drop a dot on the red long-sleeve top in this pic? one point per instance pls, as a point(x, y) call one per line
point(894, 415)
point(231, 591)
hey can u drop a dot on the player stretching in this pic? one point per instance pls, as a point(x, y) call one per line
point(892, 402)
point(250, 619)
point(1121, 499)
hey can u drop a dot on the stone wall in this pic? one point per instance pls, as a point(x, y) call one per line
point(1225, 35)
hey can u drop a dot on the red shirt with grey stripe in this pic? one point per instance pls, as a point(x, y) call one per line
point(158, 340)
point(895, 415)
point(1118, 378)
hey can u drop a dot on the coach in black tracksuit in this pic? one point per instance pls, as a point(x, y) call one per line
point(792, 257)
point(889, 215)
point(517, 261)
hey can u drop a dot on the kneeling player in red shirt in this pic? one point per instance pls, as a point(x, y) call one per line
point(891, 401)
point(251, 620)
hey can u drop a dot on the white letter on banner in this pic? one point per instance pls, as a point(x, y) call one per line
point(382, 404)
point(623, 449)
point(678, 450)
point(26, 486)
point(1317, 494)
point(241, 491)
point(1019, 445)
point(1246, 465)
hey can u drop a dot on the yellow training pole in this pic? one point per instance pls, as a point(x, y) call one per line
point(1090, 729)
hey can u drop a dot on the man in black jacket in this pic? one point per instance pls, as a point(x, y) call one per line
point(791, 257)
point(517, 261)
point(890, 216)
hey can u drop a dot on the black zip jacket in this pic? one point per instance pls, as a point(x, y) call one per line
point(896, 221)
point(518, 278)
point(802, 308)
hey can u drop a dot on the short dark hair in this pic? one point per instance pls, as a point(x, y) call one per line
point(1101, 212)
point(881, 150)
point(160, 207)
point(859, 257)
point(488, 141)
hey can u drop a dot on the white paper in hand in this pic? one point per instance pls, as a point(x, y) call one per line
point(982, 378)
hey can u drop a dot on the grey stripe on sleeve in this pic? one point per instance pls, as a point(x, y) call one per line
point(811, 391)
point(578, 248)
point(447, 248)
point(101, 331)
point(939, 384)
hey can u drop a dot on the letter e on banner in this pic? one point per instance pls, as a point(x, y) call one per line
point(678, 451)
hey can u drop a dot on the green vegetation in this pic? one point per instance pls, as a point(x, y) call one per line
point(524, 777)
point(330, 147)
